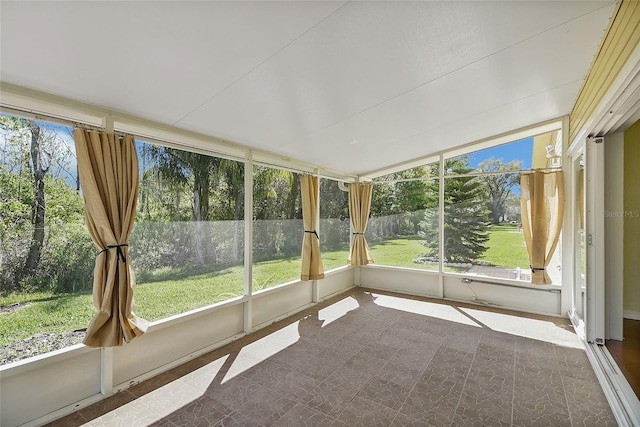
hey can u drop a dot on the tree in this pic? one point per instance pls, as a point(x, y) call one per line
point(34, 147)
point(231, 198)
point(277, 211)
point(39, 168)
point(499, 184)
point(198, 172)
point(413, 194)
point(274, 196)
point(466, 219)
point(334, 215)
point(512, 208)
point(399, 201)
point(334, 203)
point(15, 225)
point(382, 200)
point(42, 241)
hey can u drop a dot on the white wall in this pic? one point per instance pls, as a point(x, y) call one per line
point(168, 342)
point(501, 294)
point(336, 281)
point(410, 281)
point(269, 306)
point(486, 291)
point(37, 387)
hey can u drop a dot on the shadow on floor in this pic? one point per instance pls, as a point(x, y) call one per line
point(367, 358)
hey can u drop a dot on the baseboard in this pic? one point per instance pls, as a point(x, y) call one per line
point(633, 315)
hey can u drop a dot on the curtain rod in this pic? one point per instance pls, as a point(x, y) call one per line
point(393, 181)
point(519, 172)
point(432, 178)
point(44, 117)
point(101, 129)
point(57, 120)
point(141, 137)
point(298, 171)
point(543, 170)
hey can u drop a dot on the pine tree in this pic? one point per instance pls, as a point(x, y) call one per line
point(466, 218)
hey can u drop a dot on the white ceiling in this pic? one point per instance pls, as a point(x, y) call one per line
point(353, 86)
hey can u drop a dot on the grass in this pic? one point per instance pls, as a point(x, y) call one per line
point(184, 289)
point(166, 292)
point(506, 247)
point(400, 253)
point(46, 313)
point(187, 293)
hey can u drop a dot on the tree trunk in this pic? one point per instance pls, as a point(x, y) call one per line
point(236, 231)
point(38, 210)
point(198, 227)
point(200, 207)
point(176, 210)
point(293, 210)
point(495, 214)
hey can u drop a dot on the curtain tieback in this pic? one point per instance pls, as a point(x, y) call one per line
point(357, 234)
point(313, 232)
point(119, 252)
point(536, 269)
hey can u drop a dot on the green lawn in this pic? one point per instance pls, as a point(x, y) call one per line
point(168, 292)
point(184, 289)
point(400, 253)
point(506, 247)
point(187, 292)
point(46, 313)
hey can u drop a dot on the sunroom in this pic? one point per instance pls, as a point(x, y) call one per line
point(459, 162)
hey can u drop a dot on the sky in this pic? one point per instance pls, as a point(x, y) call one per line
point(66, 170)
point(519, 150)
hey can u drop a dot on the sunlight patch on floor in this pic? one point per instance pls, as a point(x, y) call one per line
point(208, 375)
point(542, 330)
point(335, 311)
point(258, 351)
point(440, 311)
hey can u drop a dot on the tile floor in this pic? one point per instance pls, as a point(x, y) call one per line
point(370, 358)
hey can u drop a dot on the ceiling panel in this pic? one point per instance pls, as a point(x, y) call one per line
point(317, 81)
point(156, 60)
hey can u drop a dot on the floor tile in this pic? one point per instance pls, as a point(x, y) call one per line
point(385, 393)
point(265, 406)
point(202, 411)
point(362, 363)
point(303, 416)
point(362, 412)
point(107, 405)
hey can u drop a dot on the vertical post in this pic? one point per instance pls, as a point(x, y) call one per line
point(614, 235)
point(315, 286)
point(248, 242)
point(106, 371)
point(441, 227)
point(595, 313)
point(569, 226)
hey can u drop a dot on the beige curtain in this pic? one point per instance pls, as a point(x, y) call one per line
point(312, 268)
point(359, 206)
point(108, 171)
point(542, 209)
